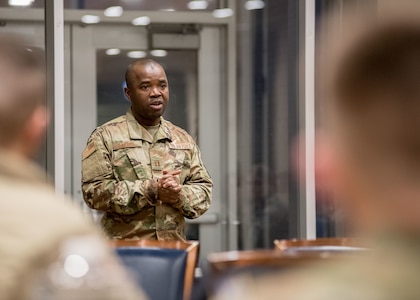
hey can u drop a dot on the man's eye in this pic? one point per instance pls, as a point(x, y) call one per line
point(163, 86)
point(144, 87)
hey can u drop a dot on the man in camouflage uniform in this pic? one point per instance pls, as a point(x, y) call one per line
point(142, 171)
point(48, 248)
point(370, 160)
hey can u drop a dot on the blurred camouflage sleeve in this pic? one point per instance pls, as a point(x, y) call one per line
point(83, 268)
point(195, 197)
point(101, 190)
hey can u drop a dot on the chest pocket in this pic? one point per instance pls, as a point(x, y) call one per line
point(181, 157)
point(131, 164)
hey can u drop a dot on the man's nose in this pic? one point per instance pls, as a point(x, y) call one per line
point(155, 91)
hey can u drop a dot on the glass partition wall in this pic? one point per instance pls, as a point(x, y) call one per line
point(268, 57)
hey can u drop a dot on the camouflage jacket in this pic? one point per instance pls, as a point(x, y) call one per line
point(119, 166)
point(39, 230)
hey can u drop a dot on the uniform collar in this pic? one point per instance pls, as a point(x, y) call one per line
point(138, 132)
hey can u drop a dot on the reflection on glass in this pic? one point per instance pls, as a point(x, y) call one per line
point(181, 69)
point(268, 123)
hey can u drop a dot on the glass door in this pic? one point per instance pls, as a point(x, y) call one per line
point(100, 55)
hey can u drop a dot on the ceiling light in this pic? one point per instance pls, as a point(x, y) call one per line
point(90, 19)
point(137, 54)
point(112, 51)
point(159, 53)
point(20, 2)
point(113, 11)
point(222, 13)
point(197, 4)
point(254, 4)
point(141, 21)
point(167, 9)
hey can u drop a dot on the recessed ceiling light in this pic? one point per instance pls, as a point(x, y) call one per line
point(137, 54)
point(159, 53)
point(141, 21)
point(254, 4)
point(112, 51)
point(167, 9)
point(197, 4)
point(20, 2)
point(222, 13)
point(113, 11)
point(90, 19)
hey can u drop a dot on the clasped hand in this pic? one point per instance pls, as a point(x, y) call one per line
point(169, 186)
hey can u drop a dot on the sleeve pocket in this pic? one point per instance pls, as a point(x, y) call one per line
point(93, 164)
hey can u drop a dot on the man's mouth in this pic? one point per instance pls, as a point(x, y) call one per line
point(156, 104)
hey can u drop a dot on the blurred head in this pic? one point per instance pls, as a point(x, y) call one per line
point(23, 114)
point(147, 89)
point(372, 122)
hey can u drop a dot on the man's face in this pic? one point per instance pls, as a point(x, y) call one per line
point(148, 92)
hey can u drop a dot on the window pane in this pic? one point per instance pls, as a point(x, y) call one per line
point(268, 123)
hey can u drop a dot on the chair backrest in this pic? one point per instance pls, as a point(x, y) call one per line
point(155, 268)
point(163, 254)
point(331, 245)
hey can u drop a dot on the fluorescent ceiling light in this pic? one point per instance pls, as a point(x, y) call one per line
point(112, 51)
point(20, 2)
point(137, 54)
point(91, 19)
point(167, 9)
point(254, 4)
point(159, 53)
point(141, 21)
point(222, 13)
point(113, 11)
point(197, 4)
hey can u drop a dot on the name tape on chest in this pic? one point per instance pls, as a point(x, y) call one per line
point(123, 145)
point(181, 146)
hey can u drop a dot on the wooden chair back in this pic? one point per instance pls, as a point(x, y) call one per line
point(225, 265)
point(191, 247)
point(321, 244)
point(223, 261)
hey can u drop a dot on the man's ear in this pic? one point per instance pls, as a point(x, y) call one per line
point(127, 93)
point(34, 130)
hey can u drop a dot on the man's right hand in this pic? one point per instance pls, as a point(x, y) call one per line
point(169, 187)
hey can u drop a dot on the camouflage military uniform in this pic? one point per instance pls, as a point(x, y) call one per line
point(120, 165)
point(39, 230)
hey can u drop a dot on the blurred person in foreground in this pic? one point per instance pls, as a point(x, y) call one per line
point(143, 172)
point(48, 249)
point(370, 155)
